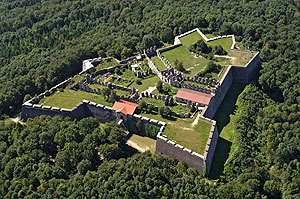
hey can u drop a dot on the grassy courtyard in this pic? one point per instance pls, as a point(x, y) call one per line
point(70, 98)
point(226, 43)
point(145, 83)
point(184, 133)
point(191, 63)
point(190, 38)
point(106, 63)
point(178, 108)
point(241, 58)
point(158, 63)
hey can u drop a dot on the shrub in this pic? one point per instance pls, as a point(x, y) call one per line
point(200, 47)
point(151, 130)
point(219, 50)
point(159, 86)
point(179, 65)
point(165, 112)
point(138, 81)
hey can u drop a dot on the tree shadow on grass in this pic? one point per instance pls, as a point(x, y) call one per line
point(220, 157)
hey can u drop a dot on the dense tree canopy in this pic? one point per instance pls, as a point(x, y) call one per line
point(44, 42)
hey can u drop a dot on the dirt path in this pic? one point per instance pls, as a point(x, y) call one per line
point(224, 56)
point(150, 89)
point(136, 146)
point(195, 122)
point(17, 118)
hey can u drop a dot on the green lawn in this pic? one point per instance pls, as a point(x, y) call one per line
point(78, 78)
point(226, 43)
point(191, 63)
point(158, 63)
point(118, 92)
point(146, 83)
point(241, 58)
point(128, 74)
point(225, 117)
point(142, 142)
point(70, 98)
point(190, 38)
point(106, 63)
point(177, 108)
point(193, 138)
point(121, 82)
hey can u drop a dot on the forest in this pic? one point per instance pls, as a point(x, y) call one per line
point(43, 42)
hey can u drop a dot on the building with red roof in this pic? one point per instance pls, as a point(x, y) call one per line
point(125, 107)
point(184, 95)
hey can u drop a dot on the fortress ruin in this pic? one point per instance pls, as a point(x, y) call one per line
point(94, 81)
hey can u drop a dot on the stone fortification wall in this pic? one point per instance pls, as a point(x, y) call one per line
point(153, 67)
point(220, 93)
point(150, 121)
point(233, 74)
point(211, 145)
point(171, 149)
point(192, 159)
point(246, 73)
point(161, 50)
point(90, 63)
point(84, 109)
point(177, 38)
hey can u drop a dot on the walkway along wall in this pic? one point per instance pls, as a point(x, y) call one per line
point(192, 159)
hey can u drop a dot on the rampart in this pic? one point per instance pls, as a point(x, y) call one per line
point(242, 74)
point(161, 50)
point(177, 41)
point(84, 109)
point(192, 159)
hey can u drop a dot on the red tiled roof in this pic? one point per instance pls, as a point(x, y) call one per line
point(194, 96)
point(125, 107)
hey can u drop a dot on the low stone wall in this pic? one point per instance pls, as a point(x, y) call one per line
point(150, 121)
point(84, 109)
point(105, 70)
